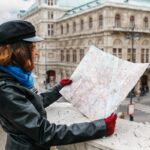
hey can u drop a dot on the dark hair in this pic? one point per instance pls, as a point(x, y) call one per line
point(17, 54)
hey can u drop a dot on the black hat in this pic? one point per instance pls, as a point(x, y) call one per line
point(18, 30)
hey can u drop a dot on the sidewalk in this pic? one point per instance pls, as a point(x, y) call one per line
point(143, 104)
point(145, 99)
point(142, 109)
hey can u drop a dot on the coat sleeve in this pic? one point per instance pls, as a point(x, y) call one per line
point(51, 95)
point(25, 118)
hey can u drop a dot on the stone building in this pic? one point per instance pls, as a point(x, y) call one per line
point(119, 27)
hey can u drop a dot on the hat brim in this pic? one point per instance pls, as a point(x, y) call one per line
point(33, 39)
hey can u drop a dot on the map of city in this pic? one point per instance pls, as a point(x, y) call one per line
point(101, 82)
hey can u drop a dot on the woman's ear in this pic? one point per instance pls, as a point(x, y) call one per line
point(5, 54)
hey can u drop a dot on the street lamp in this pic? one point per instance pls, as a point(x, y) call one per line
point(131, 35)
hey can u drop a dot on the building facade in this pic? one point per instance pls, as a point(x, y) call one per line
point(119, 27)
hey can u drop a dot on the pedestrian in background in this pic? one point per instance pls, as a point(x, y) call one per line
point(137, 91)
point(138, 94)
point(22, 110)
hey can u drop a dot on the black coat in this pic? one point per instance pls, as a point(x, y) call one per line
point(23, 117)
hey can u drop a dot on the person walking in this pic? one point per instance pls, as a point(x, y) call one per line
point(22, 109)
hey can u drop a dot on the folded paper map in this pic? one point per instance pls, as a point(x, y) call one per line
point(101, 82)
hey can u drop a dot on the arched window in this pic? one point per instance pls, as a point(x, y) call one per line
point(68, 56)
point(62, 29)
point(145, 22)
point(74, 26)
point(117, 20)
point(90, 22)
point(62, 55)
point(147, 55)
point(50, 15)
point(50, 29)
point(145, 52)
point(132, 21)
point(81, 24)
point(117, 50)
point(100, 43)
point(100, 21)
point(51, 2)
point(67, 28)
point(74, 55)
point(129, 54)
point(81, 53)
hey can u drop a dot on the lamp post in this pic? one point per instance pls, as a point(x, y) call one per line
point(131, 36)
point(131, 105)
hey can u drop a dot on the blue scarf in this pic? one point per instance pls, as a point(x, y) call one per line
point(25, 78)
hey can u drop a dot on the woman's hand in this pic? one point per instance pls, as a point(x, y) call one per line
point(65, 82)
point(110, 124)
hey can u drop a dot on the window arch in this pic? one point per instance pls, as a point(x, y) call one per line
point(132, 21)
point(81, 53)
point(90, 42)
point(68, 55)
point(74, 55)
point(90, 22)
point(51, 2)
point(145, 22)
point(100, 43)
point(100, 21)
point(50, 15)
point(74, 26)
point(117, 42)
point(62, 55)
point(50, 29)
point(145, 53)
point(117, 50)
point(81, 24)
point(145, 43)
point(62, 29)
point(117, 20)
point(67, 28)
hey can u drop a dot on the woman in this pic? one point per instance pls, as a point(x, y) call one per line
point(22, 110)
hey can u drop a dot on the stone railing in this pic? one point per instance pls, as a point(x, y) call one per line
point(2, 139)
point(128, 135)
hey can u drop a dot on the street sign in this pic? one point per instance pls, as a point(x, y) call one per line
point(131, 109)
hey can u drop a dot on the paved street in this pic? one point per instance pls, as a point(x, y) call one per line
point(142, 108)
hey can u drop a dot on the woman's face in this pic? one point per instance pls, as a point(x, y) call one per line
point(34, 51)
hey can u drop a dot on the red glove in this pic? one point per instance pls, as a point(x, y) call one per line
point(110, 124)
point(65, 82)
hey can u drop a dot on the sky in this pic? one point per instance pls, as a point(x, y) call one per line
point(9, 8)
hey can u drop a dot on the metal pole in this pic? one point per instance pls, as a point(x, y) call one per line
point(132, 59)
point(132, 42)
